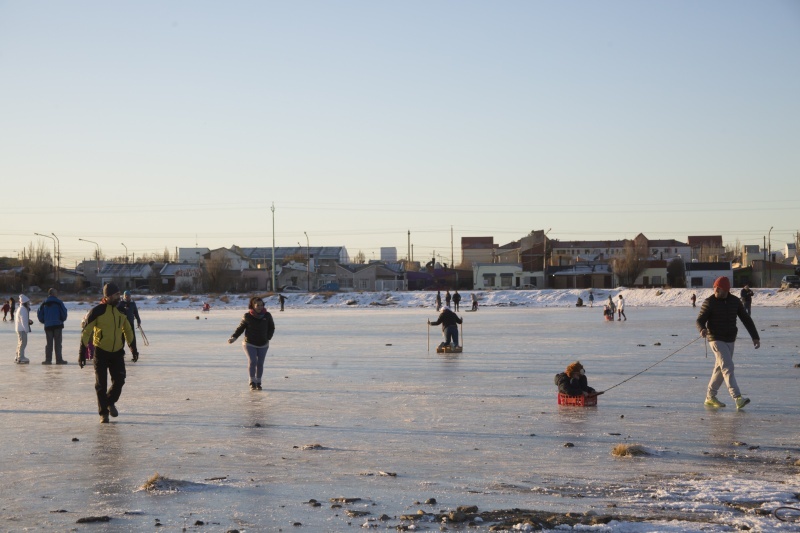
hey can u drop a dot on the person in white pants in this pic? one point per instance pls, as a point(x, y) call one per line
point(23, 324)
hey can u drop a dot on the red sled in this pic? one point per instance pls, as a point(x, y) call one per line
point(577, 401)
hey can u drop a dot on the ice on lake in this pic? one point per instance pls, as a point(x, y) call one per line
point(478, 428)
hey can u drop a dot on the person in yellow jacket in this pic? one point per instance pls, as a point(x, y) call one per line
point(105, 328)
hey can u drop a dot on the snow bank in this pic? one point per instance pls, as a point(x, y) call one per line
point(426, 299)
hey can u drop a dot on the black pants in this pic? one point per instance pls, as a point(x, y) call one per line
point(112, 363)
point(53, 336)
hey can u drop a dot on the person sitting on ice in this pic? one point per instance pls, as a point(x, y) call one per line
point(449, 321)
point(573, 382)
point(206, 307)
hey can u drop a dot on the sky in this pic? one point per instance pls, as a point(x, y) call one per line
point(150, 125)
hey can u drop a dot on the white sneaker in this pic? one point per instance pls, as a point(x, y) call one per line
point(23, 360)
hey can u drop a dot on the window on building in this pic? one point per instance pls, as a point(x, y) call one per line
point(697, 282)
point(488, 280)
point(506, 280)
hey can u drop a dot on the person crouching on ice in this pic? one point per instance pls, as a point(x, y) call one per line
point(573, 382)
point(449, 321)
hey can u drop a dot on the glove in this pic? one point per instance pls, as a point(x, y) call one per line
point(82, 355)
point(139, 324)
point(230, 341)
point(135, 354)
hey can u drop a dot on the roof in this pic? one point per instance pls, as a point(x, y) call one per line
point(704, 266)
point(705, 240)
point(125, 270)
point(333, 253)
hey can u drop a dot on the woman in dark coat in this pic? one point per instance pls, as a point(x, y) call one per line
point(258, 328)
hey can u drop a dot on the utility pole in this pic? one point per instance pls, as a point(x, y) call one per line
point(769, 252)
point(544, 260)
point(764, 265)
point(308, 263)
point(451, 248)
point(273, 246)
point(58, 259)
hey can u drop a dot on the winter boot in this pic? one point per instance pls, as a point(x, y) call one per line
point(258, 385)
point(112, 410)
point(23, 360)
point(104, 419)
point(252, 385)
point(741, 402)
point(712, 401)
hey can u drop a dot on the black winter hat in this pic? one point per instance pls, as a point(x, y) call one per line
point(110, 289)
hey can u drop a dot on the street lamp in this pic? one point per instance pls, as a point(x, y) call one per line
point(55, 272)
point(58, 258)
point(544, 261)
point(97, 253)
point(126, 252)
point(308, 263)
point(769, 251)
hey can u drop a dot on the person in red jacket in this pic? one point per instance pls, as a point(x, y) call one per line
point(717, 323)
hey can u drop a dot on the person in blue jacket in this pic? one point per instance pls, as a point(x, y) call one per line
point(52, 313)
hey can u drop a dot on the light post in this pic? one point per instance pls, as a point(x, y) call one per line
point(273, 245)
point(544, 260)
point(97, 253)
point(308, 263)
point(769, 251)
point(58, 259)
point(55, 272)
point(126, 252)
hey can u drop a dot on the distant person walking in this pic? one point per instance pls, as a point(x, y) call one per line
point(449, 322)
point(456, 300)
point(6, 309)
point(474, 301)
point(52, 313)
point(612, 306)
point(694, 300)
point(128, 308)
point(23, 323)
point(438, 300)
point(13, 305)
point(747, 297)
point(621, 309)
point(103, 325)
point(591, 299)
point(717, 323)
point(258, 328)
point(282, 300)
point(447, 298)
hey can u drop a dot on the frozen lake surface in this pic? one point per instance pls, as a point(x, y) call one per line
point(478, 428)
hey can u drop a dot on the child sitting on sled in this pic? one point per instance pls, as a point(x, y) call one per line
point(573, 382)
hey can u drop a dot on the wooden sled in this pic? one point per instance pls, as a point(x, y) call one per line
point(448, 349)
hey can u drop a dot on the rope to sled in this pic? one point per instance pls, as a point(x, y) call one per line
point(775, 514)
point(654, 364)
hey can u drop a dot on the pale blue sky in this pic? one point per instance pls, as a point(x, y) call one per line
point(162, 124)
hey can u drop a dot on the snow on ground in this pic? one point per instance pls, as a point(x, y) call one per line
point(500, 298)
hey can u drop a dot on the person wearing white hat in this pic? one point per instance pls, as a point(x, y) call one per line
point(23, 324)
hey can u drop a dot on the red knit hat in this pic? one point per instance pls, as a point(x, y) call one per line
point(723, 283)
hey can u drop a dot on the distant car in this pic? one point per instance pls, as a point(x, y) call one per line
point(292, 288)
point(790, 282)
